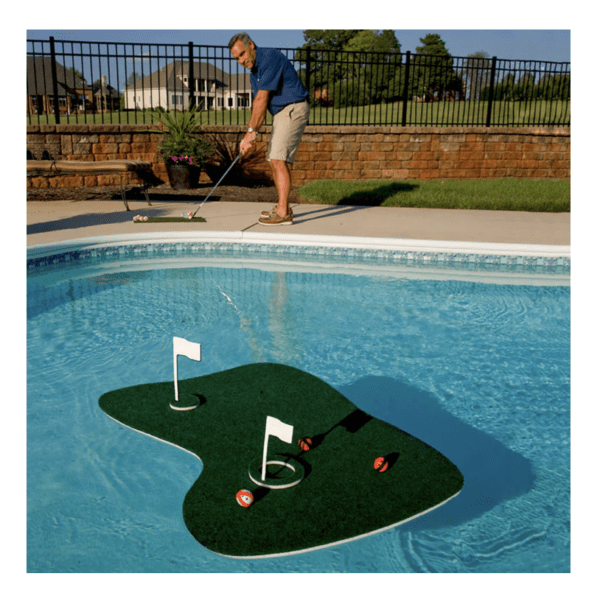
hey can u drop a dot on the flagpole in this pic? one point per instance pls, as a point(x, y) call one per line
point(175, 374)
point(263, 474)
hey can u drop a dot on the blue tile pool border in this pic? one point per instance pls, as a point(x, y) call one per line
point(554, 259)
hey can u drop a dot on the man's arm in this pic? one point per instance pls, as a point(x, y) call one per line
point(259, 113)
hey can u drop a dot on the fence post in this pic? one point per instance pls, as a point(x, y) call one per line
point(55, 80)
point(191, 81)
point(308, 70)
point(405, 92)
point(488, 120)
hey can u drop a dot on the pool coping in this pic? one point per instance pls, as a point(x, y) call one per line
point(307, 240)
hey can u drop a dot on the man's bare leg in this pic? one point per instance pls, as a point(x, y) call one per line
point(283, 182)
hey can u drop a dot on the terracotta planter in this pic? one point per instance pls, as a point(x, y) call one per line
point(182, 176)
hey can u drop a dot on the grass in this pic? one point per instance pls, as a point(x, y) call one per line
point(459, 113)
point(536, 195)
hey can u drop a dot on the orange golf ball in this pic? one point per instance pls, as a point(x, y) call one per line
point(381, 464)
point(305, 443)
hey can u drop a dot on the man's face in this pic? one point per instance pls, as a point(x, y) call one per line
point(244, 54)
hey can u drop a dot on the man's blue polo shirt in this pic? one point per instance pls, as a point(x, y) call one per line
point(272, 71)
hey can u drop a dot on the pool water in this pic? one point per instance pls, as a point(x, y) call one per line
point(478, 370)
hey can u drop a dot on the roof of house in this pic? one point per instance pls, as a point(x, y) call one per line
point(102, 89)
point(240, 82)
point(166, 77)
point(39, 77)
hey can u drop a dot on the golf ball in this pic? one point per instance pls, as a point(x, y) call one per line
point(305, 443)
point(244, 498)
point(381, 464)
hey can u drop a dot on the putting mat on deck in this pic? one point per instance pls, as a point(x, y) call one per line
point(336, 495)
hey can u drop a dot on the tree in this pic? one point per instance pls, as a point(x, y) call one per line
point(432, 45)
point(324, 45)
point(525, 86)
point(372, 59)
point(505, 90)
point(433, 75)
point(477, 74)
point(330, 40)
point(554, 87)
point(354, 67)
point(373, 41)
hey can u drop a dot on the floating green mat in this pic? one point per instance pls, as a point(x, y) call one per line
point(341, 496)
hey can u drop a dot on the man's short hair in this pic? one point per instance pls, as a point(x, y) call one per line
point(243, 37)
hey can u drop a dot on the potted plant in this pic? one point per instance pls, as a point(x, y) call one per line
point(183, 151)
point(252, 168)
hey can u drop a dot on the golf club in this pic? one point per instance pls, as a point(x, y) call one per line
point(217, 185)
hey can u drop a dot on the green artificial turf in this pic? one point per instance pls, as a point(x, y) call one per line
point(170, 219)
point(341, 496)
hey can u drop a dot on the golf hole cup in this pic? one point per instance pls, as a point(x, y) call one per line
point(244, 498)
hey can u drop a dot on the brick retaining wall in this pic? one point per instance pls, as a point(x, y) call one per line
point(333, 152)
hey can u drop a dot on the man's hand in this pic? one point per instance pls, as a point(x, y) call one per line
point(247, 142)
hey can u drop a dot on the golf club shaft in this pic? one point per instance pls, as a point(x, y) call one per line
point(218, 182)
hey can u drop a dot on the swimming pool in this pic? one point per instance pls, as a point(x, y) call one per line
point(473, 358)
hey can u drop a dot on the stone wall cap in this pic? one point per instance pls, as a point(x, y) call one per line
point(313, 129)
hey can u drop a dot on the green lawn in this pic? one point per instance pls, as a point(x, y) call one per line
point(472, 113)
point(550, 196)
point(460, 113)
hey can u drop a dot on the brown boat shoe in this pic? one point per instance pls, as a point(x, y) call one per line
point(274, 210)
point(274, 219)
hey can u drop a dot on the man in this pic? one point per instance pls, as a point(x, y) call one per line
point(276, 87)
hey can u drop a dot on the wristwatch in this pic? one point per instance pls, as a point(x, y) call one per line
point(251, 130)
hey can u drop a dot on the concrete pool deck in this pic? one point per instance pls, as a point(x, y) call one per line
point(55, 221)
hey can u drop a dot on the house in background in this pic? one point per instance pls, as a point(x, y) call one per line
point(106, 97)
point(169, 88)
point(239, 92)
point(74, 94)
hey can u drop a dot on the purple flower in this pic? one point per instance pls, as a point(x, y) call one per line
point(181, 159)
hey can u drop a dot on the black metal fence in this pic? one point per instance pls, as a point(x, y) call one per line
point(121, 83)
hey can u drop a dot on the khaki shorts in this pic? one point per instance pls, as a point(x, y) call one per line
point(288, 126)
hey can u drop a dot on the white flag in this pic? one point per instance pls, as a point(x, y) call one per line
point(277, 428)
point(283, 432)
point(187, 348)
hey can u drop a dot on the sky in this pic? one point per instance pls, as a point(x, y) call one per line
point(530, 44)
